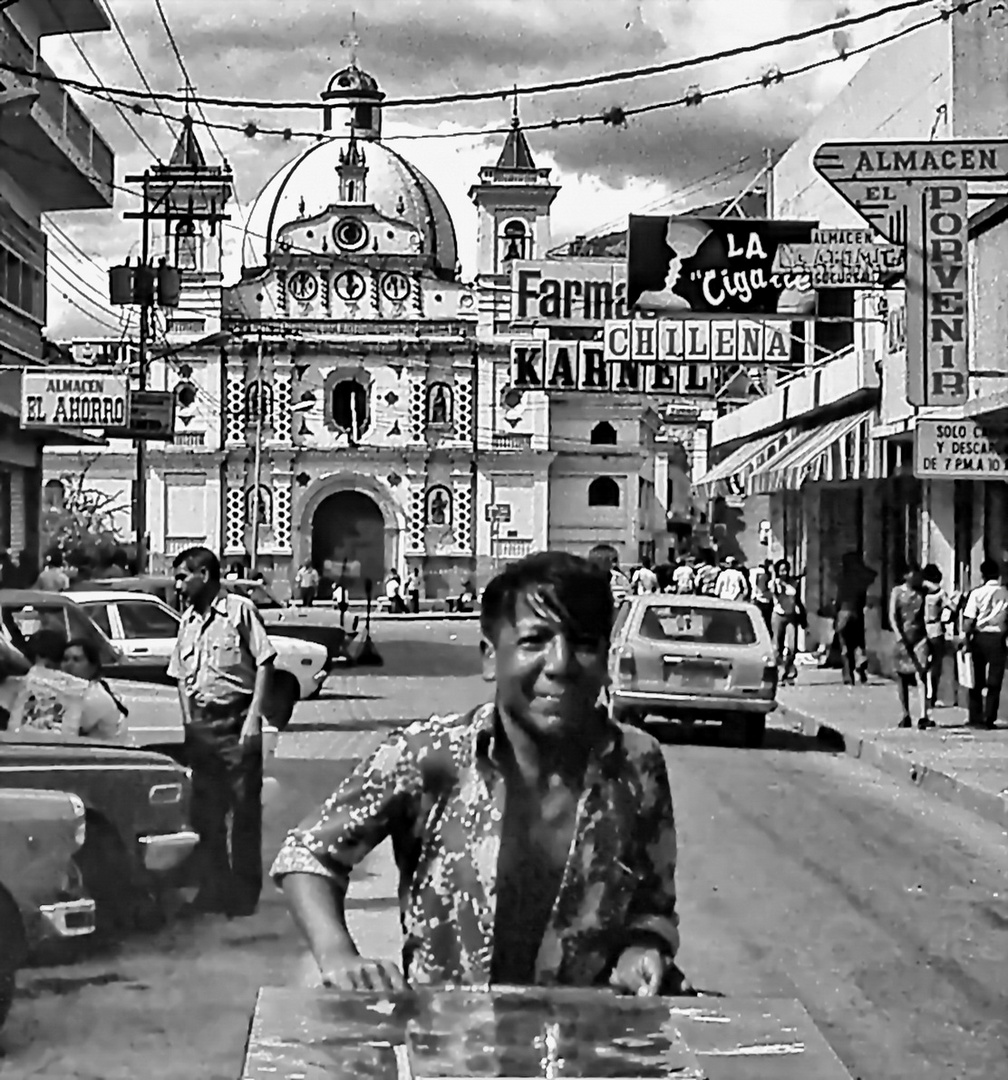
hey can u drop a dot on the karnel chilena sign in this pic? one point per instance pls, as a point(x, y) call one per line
point(564, 366)
point(74, 398)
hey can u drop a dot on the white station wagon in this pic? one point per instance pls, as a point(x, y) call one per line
point(693, 658)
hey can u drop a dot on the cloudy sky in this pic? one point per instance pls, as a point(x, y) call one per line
point(260, 49)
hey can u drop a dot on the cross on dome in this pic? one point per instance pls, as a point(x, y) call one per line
point(352, 40)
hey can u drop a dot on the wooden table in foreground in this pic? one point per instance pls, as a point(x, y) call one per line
point(521, 1034)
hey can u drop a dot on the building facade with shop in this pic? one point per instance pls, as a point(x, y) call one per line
point(826, 463)
point(53, 159)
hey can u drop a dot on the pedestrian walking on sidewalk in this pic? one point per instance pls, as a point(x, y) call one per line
point(910, 652)
point(534, 835)
point(223, 661)
point(732, 583)
point(985, 624)
point(849, 623)
point(788, 614)
point(306, 581)
point(938, 613)
point(762, 595)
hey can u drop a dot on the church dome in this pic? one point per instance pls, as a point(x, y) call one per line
point(395, 187)
point(352, 80)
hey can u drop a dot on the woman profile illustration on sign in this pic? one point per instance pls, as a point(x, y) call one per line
point(662, 257)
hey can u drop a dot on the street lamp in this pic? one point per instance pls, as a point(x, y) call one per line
point(296, 408)
point(222, 337)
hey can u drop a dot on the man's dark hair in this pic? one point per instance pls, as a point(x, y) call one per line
point(990, 569)
point(575, 589)
point(932, 574)
point(199, 558)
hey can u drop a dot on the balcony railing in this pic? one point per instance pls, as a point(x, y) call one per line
point(173, 545)
point(515, 443)
point(510, 548)
point(189, 438)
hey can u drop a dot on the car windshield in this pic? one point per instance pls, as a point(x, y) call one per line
point(258, 594)
point(23, 620)
point(696, 623)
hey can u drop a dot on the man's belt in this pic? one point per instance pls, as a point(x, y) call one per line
point(219, 708)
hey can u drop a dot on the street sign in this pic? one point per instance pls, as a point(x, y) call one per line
point(959, 450)
point(845, 259)
point(499, 512)
point(151, 416)
point(916, 195)
point(73, 398)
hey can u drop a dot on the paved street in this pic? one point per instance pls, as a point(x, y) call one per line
point(803, 873)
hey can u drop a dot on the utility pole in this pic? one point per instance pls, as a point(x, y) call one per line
point(257, 457)
point(146, 286)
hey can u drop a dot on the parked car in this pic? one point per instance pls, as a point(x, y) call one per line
point(283, 620)
point(155, 717)
point(143, 627)
point(693, 658)
point(41, 890)
point(138, 837)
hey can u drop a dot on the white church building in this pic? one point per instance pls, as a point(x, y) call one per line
point(358, 389)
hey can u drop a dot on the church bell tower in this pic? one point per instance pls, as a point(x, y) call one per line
point(513, 199)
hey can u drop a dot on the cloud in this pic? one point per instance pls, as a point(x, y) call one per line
point(261, 49)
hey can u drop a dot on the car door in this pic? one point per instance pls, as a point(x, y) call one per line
point(148, 631)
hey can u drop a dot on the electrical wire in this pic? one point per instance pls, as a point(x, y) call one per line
point(136, 64)
point(115, 104)
point(457, 97)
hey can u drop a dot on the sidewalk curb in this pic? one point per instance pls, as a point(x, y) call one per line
point(985, 804)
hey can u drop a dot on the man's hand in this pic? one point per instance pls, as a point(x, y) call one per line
point(639, 970)
point(251, 729)
point(358, 973)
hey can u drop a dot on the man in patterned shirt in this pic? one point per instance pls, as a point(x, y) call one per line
point(534, 836)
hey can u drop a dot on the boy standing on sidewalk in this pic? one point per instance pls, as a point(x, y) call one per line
point(985, 624)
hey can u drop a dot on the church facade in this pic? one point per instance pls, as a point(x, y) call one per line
point(359, 412)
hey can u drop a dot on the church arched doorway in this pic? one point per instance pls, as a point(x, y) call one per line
point(348, 529)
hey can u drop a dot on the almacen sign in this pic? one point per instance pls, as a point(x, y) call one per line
point(74, 398)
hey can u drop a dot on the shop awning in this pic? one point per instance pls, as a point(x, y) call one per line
point(728, 477)
point(813, 456)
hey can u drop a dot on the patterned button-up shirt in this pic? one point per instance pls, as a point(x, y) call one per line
point(216, 654)
point(436, 789)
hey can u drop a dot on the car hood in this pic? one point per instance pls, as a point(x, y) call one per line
point(23, 749)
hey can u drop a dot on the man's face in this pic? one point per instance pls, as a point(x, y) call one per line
point(548, 678)
point(190, 583)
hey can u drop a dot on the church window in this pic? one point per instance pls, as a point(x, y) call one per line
point(363, 117)
point(439, 405)
point(349, 401)
point(439, 507)
point(603, 491)
point(603, 434)
point(185, 394)
point(265, 505)
point(188, 246)
point(259, 401)
point(515, 242)
point(350, 234)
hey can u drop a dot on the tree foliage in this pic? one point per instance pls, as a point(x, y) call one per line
point(81, 524)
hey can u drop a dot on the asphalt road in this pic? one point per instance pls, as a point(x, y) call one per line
point(802, 874)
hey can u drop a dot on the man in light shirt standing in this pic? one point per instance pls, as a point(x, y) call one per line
point(985, 625)
point(644, 579)
point(731, 584)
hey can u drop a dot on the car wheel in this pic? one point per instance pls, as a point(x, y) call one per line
point(754, 732)
point(284, 695)
point(107, 878)
point(12, 952)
